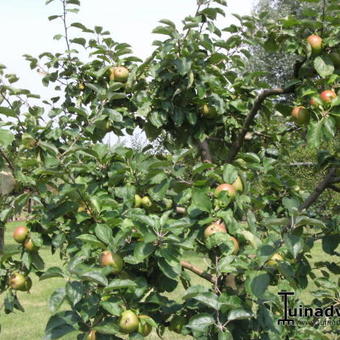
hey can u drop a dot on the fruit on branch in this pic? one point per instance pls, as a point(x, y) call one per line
point(236, 245)
point(143, 327)
point(30, 246)
point(314, 101)
point(114, 260)
point(315, 42)
point(238, 184)
point(91, 335)
point(300, 115)
point(20, 282)
point(230, 189)
point(177, 323)
point(128, 321)
point(273, 261)
point(207, 111)
point(146, 202)
point(327, 96)
point(213, 228)
point(20, 233)
point(335, 57)
point(119, 74)
point(138, 201)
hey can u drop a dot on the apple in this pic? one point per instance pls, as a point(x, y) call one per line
point(143, 327)
point(146, 202)
point(81, 86)
point(119, 74)
point(272, 262)
point(314, 101)
point(207, 111)
point(128, 321)
point(236, 245)
point(177, 323)
point(335, 56)
point(327, 96)
point(300, 115)
point(20, 233)
point(213, 228)
point(315, 42)
point(114, 260)
point(30, 246)
point(238, 185)
point(91, 335)
point(230, 189)
point(20, 282)
point(138, 201)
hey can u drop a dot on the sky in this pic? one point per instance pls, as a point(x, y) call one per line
point(25, 28)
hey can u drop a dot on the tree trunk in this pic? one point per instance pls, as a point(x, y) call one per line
point(2, 237)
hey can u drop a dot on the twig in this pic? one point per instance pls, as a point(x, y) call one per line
point(237, 144)
point(66, 30)
point(205, 152)
point(8, 161)
point(333, 187)
point(199, 272)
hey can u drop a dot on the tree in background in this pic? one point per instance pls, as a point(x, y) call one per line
point(122, 221)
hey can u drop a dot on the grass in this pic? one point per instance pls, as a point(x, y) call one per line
point(33, 321)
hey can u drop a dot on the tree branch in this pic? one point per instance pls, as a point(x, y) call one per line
point(205, 152)
point(237, 144)
point(8, 161)
point(199, 272)
point(318, 190)
point(333, 187)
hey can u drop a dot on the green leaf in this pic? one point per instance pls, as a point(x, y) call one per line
point(120, 284)
point(208, 299)
point(143, 250)
point(74, 291)
point(91, 239)
point(183, 65)
point(95, 276)
point(166, 30)
point(104, 233)
point(239, 314)
point(6, 137)
point(112, 307)
point(61, 324)
point(56, 299)
point(225, 335)
point(7, 112)
point(258, 283)
point(294, 244)
point(229, 173)
point(51, 272)
point(201, 322)
point(324, 66)
point(200, 200)
point(167, 270)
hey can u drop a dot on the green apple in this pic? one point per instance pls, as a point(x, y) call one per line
point(119, 74)
point(238, 185)
point(20, 282)
point(30, 246)
point(230, 189)
point(315, 42)
point(113, 260)
point(128, 322)
point(138, 201)
point(213, 228)
point(20, 233)
point(207, 111)
point(273, 261)
point(300, 115)
point(146, 202)
point(91, 335)
point(143, 327)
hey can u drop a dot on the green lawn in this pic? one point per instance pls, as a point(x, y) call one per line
point(33, 321)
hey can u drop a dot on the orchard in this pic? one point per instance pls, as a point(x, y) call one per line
point(123, 221)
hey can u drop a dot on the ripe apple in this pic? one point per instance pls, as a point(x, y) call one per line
point(177, 323)
point(119, 74)
point(230, 189)
point(143, 327)
point(30, 246)
point(327, 96)
point(138, 201)
point(236, 245)
point(20, 282)
point(335, 56)
point(300, 115)
point(272, 262)
point(146, 202)
point(238, 185)
point(113, 260)
point(213, 228)
point(315, 42)
point(91, 335)
point(20, 233)
point(128, 321)
point(207, 111)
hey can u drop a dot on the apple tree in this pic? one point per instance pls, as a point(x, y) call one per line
point(123, 221)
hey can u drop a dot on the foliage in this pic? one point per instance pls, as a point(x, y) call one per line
point(84, 191)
